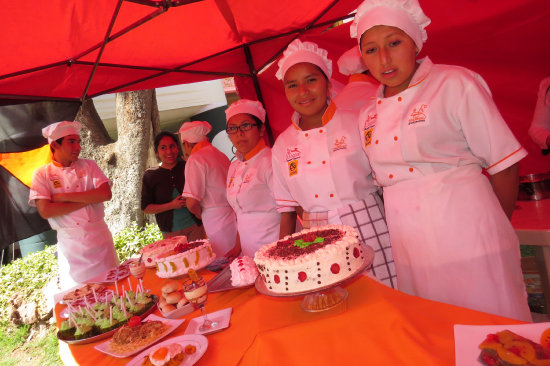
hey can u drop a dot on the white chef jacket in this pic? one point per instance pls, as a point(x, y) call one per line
point(360, 90)
point(540, 126)
point(205, 177)
point(250, 194)
point(85, 244)
point(321, 169)
point(451, 240)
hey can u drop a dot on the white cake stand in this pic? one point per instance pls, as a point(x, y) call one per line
point(325, 297)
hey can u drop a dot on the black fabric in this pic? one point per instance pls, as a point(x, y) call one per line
point(21, 125)
point(19, 220)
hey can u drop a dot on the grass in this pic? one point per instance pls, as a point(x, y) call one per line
point(16, 350)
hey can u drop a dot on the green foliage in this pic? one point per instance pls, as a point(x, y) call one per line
point(12, 338)
point(527, 250)
point(131, 239)
point(26, 277)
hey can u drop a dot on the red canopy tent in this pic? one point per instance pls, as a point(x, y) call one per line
point(70, 50)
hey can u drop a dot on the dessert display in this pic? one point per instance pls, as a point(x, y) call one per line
point(152, 250)
point(137, 268)
point(243, 271)
point(183, 256)
point(136, 334)
point(89, 294)
point(509, 348)
point(118, 273)
point(104, 316)
point(172, 297)
point(310, 259)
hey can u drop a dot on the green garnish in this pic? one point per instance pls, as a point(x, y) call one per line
point(300, 243)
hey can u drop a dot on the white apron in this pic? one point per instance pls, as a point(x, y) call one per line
point(221, 228)
point(453, 243)
point(257, 229)
point(84, 252)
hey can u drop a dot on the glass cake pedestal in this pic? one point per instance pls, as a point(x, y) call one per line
point(324, 297)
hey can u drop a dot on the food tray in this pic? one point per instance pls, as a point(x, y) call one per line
point(111, 332)
point(222, 282)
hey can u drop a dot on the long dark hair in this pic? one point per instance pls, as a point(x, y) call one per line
point(164, 134)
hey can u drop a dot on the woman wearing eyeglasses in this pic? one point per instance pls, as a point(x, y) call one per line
point(250, 177)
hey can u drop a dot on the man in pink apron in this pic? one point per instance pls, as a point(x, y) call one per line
point(69, 192)
point(205, 176)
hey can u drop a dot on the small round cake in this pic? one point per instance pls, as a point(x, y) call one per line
point(310, 259)
point(243, 271)
point(151, 251)
point(177, 261)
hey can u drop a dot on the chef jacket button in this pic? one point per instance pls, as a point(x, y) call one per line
point(395, 138)
point(77, 223)
point(324, 162)
point(331, 195)
point(391, 176)
point(399, 99)
point(376, 141)
point(379, 102)
point(320, 131)
point(309, 162)
point(307, 134)
point(411, 169)
point(316, 196)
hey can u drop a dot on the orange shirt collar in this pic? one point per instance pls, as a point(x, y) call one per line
point(200, 145)
point(259, 147)
point(362, 77)
point(327, 116)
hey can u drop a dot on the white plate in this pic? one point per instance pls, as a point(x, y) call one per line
point(178, 313)
point(118, 273)
point(468, 338)
point(196, 340)
point(172, 324)
point(220, 316)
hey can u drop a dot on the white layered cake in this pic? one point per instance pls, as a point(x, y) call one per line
point(310, 259)
point(176, 262)
point(151, 251)
point(243, 271)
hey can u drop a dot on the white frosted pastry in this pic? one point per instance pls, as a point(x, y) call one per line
point(310, 259)
point(176, 262)
point(243, 271)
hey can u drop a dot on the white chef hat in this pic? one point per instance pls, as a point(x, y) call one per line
point(298, 51)
point(406, 15)
point(61, 129)
point(195, 131)
point(252, 107)
point(351, 62)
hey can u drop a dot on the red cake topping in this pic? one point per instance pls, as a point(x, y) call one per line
point(356, 252)
point(335, 268)
point(287, 250)
point(302, 276)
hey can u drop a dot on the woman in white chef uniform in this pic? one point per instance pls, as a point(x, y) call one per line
point(428, 135)
point(69, 192)
point(205, 177)
point(318, 164)
point(250, 177)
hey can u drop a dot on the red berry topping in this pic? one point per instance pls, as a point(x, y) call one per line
point(276, 278)
point(149, 260)
point(302, 276)
point(356, 252)
point(335, 268)
point(134, 321)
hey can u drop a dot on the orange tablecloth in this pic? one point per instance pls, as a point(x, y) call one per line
point(377, 326)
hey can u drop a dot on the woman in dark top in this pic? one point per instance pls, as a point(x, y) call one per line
point(162, 188)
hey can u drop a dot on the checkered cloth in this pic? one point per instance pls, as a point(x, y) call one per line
point(367, 217)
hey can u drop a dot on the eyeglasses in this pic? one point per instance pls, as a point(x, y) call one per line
point(244, 127)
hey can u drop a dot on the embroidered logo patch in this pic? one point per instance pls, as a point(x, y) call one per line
point(340, 144)
point(293, 153)
point(247, 179)
point(230, 184)
point(292, 168)
point(367, 135)
point(56, 183)
point(418, 115)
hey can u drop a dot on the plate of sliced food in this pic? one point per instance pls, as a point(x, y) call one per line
point(183, 350)
point(137, 335)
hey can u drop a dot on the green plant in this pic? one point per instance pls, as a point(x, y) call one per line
point(131, 239)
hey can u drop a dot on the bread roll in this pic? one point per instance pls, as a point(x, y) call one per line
point(182, 302)
point(167, 308)
point(170, 286)
point(174, 297)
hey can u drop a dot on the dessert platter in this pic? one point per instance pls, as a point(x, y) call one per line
point(118, 273)
point(100, 320)
point(313, 262)
point(241, 273)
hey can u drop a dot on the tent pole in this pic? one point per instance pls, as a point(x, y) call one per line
point(254, 75)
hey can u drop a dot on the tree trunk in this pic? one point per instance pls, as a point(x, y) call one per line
point(125, 160)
